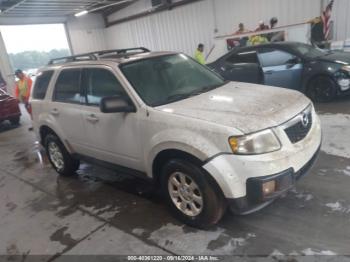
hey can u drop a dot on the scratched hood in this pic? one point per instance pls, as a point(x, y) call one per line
point(243, 106)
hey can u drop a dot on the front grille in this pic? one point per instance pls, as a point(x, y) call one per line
point(301, 128)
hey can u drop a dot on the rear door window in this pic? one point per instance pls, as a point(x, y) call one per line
point(100, 83)
point(249, 57)
point(41, 84)
point(67, 88)
point(272, 57)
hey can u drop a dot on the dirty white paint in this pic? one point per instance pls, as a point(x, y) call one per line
point(338, 207)
point(250, 110)
point(336, 130)
point(182, 242)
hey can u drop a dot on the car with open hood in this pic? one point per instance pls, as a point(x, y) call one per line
point(208, 144)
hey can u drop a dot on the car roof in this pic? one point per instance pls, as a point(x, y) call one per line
point(110, 60)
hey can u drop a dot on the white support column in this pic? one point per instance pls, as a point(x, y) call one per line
point(6, 68)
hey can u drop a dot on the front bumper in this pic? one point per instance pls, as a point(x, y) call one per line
point(255, 198)
point(239, 176)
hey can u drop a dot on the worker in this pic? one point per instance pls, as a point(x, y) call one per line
point(23, 87)
point(241, 29)
point(275, 36)
point(262, 26)
point(273, 22)
point(199, 55)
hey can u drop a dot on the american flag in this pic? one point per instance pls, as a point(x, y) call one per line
point(326, 19)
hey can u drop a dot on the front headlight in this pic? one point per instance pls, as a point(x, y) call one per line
point(254, 144)
point(346, 68)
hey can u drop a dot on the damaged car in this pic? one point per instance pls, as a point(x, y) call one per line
point(321, 75)
point(207, 144)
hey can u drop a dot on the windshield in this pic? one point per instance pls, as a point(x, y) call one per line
point(308, 50)
point(165, 79)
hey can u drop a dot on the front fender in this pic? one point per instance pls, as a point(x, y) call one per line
point(48, 121)
point(182, 140)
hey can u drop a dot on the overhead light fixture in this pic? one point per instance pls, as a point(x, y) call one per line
point(84, 12)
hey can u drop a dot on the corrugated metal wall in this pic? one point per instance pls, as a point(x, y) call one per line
point(183, 28)
point(179, 30)
point(5, 67)
point(231, 12)
point(86, 34)
point(341, 19)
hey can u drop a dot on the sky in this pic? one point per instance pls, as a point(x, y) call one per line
point(34, 37)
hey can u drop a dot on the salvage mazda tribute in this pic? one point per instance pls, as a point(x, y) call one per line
point(208, 144)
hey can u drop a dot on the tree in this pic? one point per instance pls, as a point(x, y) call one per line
point(35, 59)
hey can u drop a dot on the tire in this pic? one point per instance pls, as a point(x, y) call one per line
point(15, 121)
point(322, 89)
point(60, 159)
point(203, 215)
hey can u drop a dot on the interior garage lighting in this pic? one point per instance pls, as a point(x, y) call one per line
point(81, 13)
point(84, 12)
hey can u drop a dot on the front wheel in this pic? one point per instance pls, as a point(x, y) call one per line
point(190, 194)
point(59, 157)
point(322, 89)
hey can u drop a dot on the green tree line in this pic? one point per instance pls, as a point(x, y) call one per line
point(35, 59)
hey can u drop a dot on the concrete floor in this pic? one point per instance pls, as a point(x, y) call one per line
point(101, 212)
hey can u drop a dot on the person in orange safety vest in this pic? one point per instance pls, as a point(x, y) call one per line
point(23, 87)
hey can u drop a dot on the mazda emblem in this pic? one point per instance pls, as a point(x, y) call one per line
point(305, 120)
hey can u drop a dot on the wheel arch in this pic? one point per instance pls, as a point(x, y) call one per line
point(314, 76)
point(44, 130)
point(166, 155)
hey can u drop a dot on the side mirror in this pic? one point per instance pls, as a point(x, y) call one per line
point(116, 104)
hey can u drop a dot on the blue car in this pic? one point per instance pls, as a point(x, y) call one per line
point(321, 75)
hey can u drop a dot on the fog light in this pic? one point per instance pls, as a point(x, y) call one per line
point(269, 187)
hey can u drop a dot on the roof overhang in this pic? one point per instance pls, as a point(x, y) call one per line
point(53, 11)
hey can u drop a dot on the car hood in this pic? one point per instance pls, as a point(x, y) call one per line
point(338, 57)
point(246, 107)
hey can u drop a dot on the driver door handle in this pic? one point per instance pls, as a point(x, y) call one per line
point(269, 72)
point(92, 118)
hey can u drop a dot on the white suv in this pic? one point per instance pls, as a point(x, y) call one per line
point(208, 144)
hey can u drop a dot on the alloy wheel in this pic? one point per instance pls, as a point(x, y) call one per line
point(185, 194)
point(56, 156)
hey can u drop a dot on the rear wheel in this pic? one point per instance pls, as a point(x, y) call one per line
point(15, 120)
point(59, 157)
point(322, 89)
point(191, 196)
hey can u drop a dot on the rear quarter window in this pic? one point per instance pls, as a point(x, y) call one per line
point(41, 84)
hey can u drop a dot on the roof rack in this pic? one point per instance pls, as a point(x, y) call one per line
point(96, 55)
